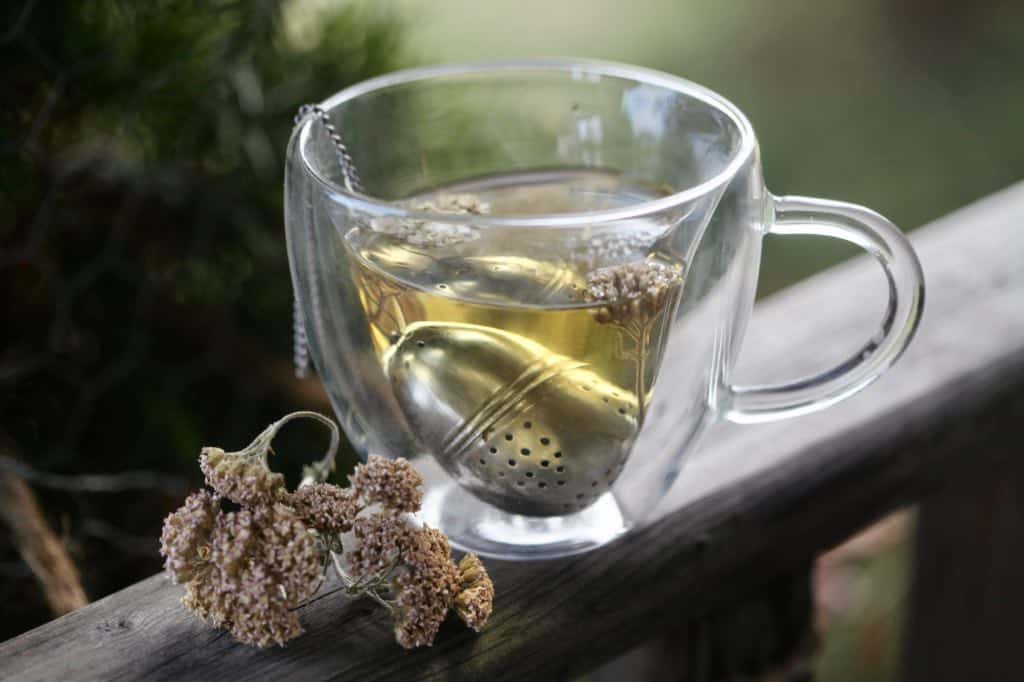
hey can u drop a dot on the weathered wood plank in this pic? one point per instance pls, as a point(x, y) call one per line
point(758, 502)
point(766, 638)
point(968, 595)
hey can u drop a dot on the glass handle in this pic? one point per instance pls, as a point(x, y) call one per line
point(884, 241)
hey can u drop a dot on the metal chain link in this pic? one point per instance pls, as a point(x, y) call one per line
point(348, 166)
point(353, 183)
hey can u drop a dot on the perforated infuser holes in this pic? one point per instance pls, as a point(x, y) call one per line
point(526, 459)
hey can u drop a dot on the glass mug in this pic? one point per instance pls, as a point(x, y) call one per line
point(540, 292)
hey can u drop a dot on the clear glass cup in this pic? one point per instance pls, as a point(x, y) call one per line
point(548, 345)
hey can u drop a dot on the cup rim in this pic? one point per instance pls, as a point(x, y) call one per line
point(639, 74)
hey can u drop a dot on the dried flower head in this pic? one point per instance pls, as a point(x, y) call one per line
point(286, 554)
point(380, 539)
point(327, 508)
point(232, 542)
point(593, 250)
point(476, 598)
point(242, 478)
point(248, 569)
point(417, 564)
point(185, 539)
point(262, 564)
point(433, 233)
point(260, 625)
point(392, 483)
point(452, 203)
point(631, 292)
point(426, 588)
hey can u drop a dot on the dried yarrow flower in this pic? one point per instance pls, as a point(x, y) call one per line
point(392, 483)
point(247, 569)
point(231, 542)
point(261, 622)
point(325, 507)
point(380, 539)
point(433, 233)
point(241, 477)
point(417, 562)
point(476, 598)
point(591, 251)
point(263, 563)
point(426, 589)
point(452, 203)
point(286, 554)
point(419, 612)
point(271, 623)
point(632, 291)
point(185, 539)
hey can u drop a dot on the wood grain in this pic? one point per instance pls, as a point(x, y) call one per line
point(757, 503)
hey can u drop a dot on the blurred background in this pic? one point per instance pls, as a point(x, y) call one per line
point(145, 301)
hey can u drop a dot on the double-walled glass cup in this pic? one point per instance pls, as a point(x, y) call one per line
point(540, 290)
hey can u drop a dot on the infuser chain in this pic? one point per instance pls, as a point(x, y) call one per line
point(354, 184)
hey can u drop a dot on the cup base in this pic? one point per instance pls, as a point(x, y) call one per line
point(474, 526)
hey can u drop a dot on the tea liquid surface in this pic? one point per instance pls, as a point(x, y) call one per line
point(508, 279)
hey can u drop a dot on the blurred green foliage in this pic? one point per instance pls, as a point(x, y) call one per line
point(144, 286)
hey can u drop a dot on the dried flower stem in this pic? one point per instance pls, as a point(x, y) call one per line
point(642, 338)
point(312, 473)
point(368, 587)
point(633, 298)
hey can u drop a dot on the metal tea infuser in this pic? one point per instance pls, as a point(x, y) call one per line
point(529, 431)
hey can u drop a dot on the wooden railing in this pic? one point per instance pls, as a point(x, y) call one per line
point(749, 514)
